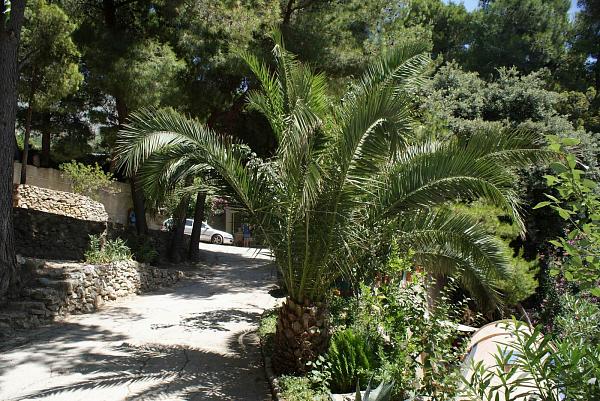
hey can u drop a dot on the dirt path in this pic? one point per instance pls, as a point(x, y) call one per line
point(192, 342)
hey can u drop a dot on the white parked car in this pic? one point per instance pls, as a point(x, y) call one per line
point(208, 233)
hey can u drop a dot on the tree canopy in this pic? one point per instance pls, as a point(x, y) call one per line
point(49, 59)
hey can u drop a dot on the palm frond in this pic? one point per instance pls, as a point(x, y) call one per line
point(452, 244)
point(403, 66)
point(432, 173)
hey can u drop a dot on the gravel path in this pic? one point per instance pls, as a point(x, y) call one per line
point(192, 342)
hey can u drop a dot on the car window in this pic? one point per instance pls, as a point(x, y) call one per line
point(204, 226)
point(189, 222)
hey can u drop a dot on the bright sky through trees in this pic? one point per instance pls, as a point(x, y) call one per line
point(472, 4)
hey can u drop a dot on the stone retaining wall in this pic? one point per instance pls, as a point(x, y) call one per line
point(46, 235)
point(57, 202)
point(53, 224)
point(55, 289)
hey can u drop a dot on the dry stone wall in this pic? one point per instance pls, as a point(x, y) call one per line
point(116, 200)
point(57, 202)
point(54, 224)
point(55, 289)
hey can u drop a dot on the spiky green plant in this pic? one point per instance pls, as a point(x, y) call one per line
point(383, 392)
point(350, 358)
point(343, 171)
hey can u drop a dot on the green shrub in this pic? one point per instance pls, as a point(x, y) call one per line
point(578, 204)
point(579, 320)
point(87, 180)
point(300, 389)
point(111, 251)
point(267, 324)
point(342, 309)
point(144, 251)
point(350, 359)
point(419, 347)
point(542, 367)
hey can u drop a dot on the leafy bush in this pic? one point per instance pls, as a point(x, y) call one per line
point(418, 345)
point(300, 389)
point(144, 251)
point(87, 180)
point(109, 251)
point(579, 320)
point(350, 359)
point(342, 309)
point(578, 203)
point(537, 366)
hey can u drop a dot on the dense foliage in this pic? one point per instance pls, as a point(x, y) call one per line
point(350, 359)
point(85, 179)
point(102, 251)
point(539, 366)
point(579, 205)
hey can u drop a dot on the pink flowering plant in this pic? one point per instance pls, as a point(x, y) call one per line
point(578, 203)
point(218, 205)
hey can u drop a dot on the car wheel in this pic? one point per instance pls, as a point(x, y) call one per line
point(216, 239)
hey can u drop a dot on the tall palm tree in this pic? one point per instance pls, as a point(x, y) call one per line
point(344, 165)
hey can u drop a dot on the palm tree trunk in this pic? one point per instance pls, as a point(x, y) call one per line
point(194, 251)
point(175, 251)
point(10, 30)
point(302, 335)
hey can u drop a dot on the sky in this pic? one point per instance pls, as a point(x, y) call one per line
point(471, 4)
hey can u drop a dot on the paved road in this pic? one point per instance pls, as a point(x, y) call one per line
point(191, 342)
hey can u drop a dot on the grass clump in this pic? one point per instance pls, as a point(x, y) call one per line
point(267, 324)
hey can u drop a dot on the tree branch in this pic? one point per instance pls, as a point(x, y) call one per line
point(292, 7)
point(21, 63)
point(287, 14)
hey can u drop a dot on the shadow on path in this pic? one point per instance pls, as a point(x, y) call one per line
point(163, 372)
point(192, 342)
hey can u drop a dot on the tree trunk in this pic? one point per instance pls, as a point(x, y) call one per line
point(597, 73)
point(194, 251)
point(9, 43)
point(287, 13)
point(175, 251)
point(109, 9)
point(302, 335)
point(139, 207)
point(45, 159)
point(26, 143)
